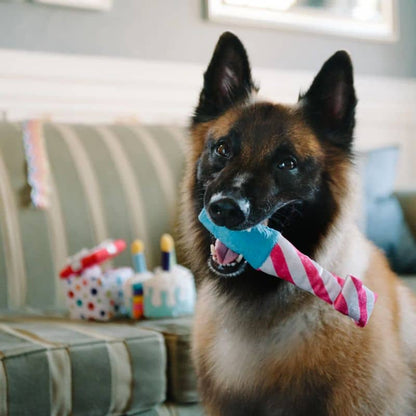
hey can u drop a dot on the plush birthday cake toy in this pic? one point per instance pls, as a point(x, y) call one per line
point(171, 291)
point(265, 249)
point(133, 287)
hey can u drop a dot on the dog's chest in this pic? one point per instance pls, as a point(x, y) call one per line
point(242, 355)
point(236, 360)
point(259, 372)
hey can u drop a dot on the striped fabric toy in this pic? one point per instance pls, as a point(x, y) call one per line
point(276, 256)
point(37, 163)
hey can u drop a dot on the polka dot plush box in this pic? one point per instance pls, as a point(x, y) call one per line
point(91, 293)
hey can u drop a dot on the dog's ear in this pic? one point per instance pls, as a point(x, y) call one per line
point(329, 104)
point(227, 79)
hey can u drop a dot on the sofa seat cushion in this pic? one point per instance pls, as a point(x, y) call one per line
point(181, 374)
point(61, 367)
point(171, 409)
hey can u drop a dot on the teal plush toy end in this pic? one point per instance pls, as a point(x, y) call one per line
point(254, 245)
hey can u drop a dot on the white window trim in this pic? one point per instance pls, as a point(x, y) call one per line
point(386, 31)
point(80, 4)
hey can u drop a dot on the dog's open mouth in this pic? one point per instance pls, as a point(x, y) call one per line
point(225, 262)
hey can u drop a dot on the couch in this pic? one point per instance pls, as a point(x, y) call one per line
point(118, 181)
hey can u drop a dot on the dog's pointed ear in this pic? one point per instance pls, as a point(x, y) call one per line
point(227, 79)
point(330, 102)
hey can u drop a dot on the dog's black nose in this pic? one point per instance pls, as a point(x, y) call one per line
point(226, 212)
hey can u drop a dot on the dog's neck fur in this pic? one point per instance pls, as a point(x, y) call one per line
point(344, 250)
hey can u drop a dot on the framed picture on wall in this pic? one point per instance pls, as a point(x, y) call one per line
point(81, 4)
point(363, 19)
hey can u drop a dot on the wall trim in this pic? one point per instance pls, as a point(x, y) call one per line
point(74, 88)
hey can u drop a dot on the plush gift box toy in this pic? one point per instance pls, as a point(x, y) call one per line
point(92, 293)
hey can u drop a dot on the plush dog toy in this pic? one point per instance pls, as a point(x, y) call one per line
point(267, 250)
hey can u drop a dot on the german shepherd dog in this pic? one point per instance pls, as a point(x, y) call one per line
point(261, 346)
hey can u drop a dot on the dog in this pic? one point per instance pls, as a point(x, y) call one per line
point(261, 346)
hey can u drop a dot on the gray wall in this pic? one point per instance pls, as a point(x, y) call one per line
point(175, 30)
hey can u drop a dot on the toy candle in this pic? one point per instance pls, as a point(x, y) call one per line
point(166, 247)
point(267, 250)
point(133, 287)
point(137, 252)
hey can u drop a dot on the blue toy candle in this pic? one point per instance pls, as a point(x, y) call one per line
point(137, 252)
point(133, 288)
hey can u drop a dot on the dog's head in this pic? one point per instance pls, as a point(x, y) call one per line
point(258, 161)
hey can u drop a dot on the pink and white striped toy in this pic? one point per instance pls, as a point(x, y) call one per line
point(267, 250)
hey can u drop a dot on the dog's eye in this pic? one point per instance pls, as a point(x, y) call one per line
point(223, 150)
point(287, 164)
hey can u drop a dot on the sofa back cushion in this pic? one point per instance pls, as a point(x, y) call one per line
point(108, 181)
point(386, 224)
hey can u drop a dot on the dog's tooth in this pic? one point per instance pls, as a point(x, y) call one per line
point(249, 229)
point(239, 258)
point(212, 247)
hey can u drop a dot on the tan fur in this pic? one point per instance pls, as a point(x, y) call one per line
point(371, 370)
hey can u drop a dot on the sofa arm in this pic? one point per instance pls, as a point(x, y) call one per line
point(407, 201)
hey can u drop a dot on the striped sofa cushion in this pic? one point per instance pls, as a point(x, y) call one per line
point(57, 367)
point(108, 181)
point(171, 409)
point(182, 384)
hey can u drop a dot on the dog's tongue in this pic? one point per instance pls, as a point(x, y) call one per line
point(223, 253)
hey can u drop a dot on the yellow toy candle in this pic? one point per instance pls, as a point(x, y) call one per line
point(166, 247)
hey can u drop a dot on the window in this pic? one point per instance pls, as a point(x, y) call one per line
point(367, 19)
point(82, 4)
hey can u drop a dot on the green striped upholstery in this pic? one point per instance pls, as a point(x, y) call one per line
point(108, 181)
point(62, 367)
point(115, 181)
point(181, 377)
point(174, 410)
point(58, 367)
